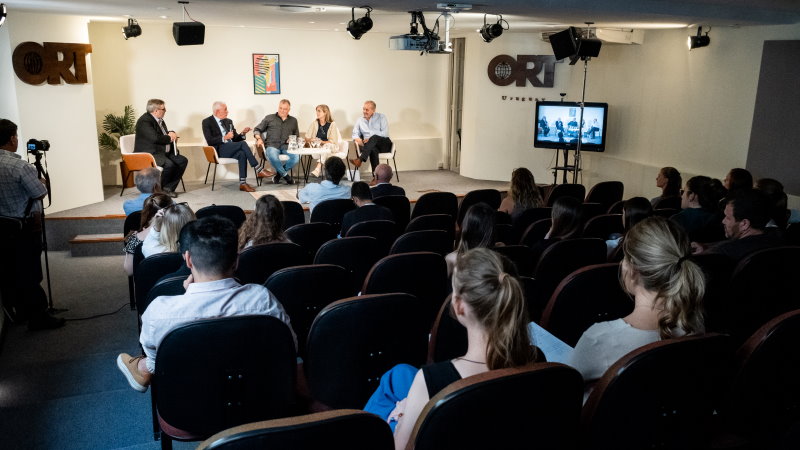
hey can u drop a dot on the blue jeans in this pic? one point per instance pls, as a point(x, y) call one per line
point(282, 169)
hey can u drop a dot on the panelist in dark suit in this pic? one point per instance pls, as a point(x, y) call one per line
point(152, 136)
point(220, 134)
point(383, 185)
point(366, 210)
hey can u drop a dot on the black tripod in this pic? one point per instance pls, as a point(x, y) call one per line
point(42, 173)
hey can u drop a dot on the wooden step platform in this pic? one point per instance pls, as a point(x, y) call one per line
point(96, 244)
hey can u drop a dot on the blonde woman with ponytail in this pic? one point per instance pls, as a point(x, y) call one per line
point(487, 299)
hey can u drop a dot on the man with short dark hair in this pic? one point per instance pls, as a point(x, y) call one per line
point(746, 217)
point(209, 246)
point(366, 210)
point(147, 182)
point(329, 188)
point(220, 133)
point(272, 134)
point(21, 192)
point(383, 185)
point(153, 136)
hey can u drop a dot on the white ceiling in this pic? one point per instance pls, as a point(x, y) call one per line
point(391, 16)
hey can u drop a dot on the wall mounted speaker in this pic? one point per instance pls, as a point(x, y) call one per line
point(565, 43)
point(189, 33)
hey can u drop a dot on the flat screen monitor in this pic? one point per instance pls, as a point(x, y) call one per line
point(557, 126)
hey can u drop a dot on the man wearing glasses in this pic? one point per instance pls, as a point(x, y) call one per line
point(153, 136)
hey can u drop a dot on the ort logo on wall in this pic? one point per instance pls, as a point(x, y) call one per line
point(36, 63)
point(504, 70)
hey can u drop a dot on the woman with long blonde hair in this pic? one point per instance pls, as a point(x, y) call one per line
point(523, 194)
point(167, 225)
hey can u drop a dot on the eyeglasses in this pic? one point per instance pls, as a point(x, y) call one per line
point(174, 204)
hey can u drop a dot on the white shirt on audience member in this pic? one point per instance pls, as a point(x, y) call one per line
point(152, 243)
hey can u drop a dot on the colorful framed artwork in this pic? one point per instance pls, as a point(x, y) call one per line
point(266, 73)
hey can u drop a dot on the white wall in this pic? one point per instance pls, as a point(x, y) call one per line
point(316, 67)
point(668, 106)
point(8, 104)
point(63, 114)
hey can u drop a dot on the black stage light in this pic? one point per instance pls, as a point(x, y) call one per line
point(699, 40)
point(132, 30)
point(3, 13)
point(491, 31)
point(357, 27)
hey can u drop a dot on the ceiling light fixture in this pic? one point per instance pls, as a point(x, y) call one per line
point(357, 27)
point(699, 40)
point(491, 31)
point(3, 13)
point(132, 30)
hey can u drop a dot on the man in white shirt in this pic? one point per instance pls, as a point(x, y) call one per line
point(371, 132)
point(328, 189)
point(209, 247)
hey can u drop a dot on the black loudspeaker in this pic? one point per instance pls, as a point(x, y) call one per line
point(189, 33)
point(589, 47)
point(565, 43)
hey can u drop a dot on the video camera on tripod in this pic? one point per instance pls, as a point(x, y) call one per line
point(35, 146)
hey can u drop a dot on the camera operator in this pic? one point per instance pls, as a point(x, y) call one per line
point(21, 192)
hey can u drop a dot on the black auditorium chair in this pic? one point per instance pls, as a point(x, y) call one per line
point(616, 208)
point(436, 241)
point(232, 212)
point(668, 203)
point(577, 191)
point(504, 233)
point(526, 219)
point(132, 223)
point(150, 270)
point(400, 208)
point(448, 338)
point(718, 269)
point(207, 378)
point(590, 210)
point(489, 196)
point(166, 286)
point(258, 262)
point(606, 193)
point(356, 254)
point(436, 203)
point(343, 428)
point(520, 255)
point(354, 341)
point(498, 409)
point(535, 232)
point(603, 226)
point(293, 214)
point(662, 395)
point(305, 290)
point(793, 234)
point(433, 222)
point(588, 295)
point(385, 231)
point(422, 274)
point(665, 212)
point(311, 235)
point(332, 211)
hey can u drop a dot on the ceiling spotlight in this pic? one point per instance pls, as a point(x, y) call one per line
point(491, 31)
point(357, 27)
point(700, 40)
point(132, 30)
point(3, 14)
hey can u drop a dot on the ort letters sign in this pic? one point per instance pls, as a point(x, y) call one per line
point(36, 63)
point(504, 70)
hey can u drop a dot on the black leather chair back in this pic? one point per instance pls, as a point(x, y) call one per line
point(400, 208)
point(606, 193)
point(520, 255)
point(616, 208)
point(258, 262)
point(666, 212)
point(436, 241)
point(668, 203)
point(167, 286)
point(448, 337)
point(305, 290)
point(436, 203)
point(150, 270)
point(535, 232)
point(311, 235)
point(132, 222)
point(332, 211)
point(603, 226)
point(433, 222)
point(356, 254)
point(489, 196)
point(343, 428)
point(354, 341)
point(293, 214)
point(231, 212)
point(716, 300)
point(528, 217)
point(587, 296)
point(504, 232)
point(577, 191)
point(218, 373)
point(663, 395)
point(493, 410)
point(385, 231)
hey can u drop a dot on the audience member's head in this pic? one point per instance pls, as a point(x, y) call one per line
point(477, 228)
point(746, 214)
point(210, 243)
point(148, 180)
point(524, 191)
point(670, 182)
point(634, 210)
point(737, 180)
point(8, 130)
point(151, 206)
point(487, 297)
point(175, 217)
point(383, 173)
point(778, 200)
point(702, 192)
point(334, 169)
point(360, 193)
point(265, 223)
point(657, 260)
point(566, 215)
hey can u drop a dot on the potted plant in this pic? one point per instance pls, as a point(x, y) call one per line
point(113, 128)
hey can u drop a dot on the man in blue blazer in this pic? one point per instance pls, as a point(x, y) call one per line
point(220, 133)
point(153, 136)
